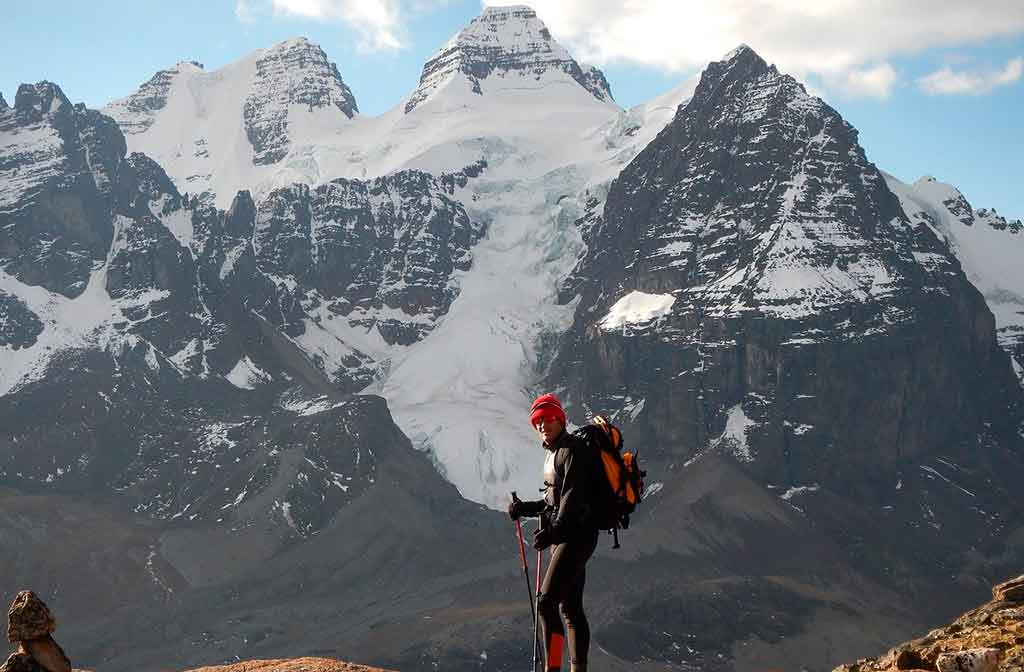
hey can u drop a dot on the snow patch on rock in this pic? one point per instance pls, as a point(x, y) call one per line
point(247, 375)
point(636, 308)
point(734, 438)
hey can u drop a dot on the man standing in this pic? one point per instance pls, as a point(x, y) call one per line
point(568, 524)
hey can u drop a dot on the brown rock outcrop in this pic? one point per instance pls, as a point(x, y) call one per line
point(986, 639)
point(29, 618)
point(48, 653)
point(291, 665)
point(1009, 591)
point(30, 624)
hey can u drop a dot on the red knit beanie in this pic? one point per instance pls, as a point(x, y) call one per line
point(546, 406)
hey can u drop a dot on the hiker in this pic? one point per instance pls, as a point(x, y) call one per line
point(567, 524)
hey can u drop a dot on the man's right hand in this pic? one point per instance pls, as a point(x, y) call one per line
point(515, 509)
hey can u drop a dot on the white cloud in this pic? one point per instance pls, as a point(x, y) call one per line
point(974, 82)
point(874, 82)
point(848, 43)
point(378, 23)
point(244, 11)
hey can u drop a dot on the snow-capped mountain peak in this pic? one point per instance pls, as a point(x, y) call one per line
point(948, 195)
point(740, 50)
point(504, 42)
point(295, 72)
point(212, 130)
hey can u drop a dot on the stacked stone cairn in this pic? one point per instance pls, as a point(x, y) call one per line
point(30, 625)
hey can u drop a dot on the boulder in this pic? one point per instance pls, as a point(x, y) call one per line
point(20, 661)
point(1009, 591)
point(29, 618)
point(48, 654)
point(971, 660)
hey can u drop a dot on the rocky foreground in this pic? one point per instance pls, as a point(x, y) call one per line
point(293, 665)
point(30, 625)
point(987, 639)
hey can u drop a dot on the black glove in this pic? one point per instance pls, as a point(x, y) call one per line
point(515, 509)
point(543, 538)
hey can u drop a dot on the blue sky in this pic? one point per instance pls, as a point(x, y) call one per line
point(935, 89)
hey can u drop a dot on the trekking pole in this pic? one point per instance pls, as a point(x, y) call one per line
point(522, 556)
point(526, 577)
point(536, 621)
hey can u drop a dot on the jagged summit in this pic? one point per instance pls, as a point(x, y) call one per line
point(740, 51)
point(504, 41)
point(742, 63)
point(40, 99)
point(293, 72)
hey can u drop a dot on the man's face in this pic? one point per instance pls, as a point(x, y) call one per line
point(549, 427)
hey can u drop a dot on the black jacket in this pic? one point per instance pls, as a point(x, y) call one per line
point(568, 479)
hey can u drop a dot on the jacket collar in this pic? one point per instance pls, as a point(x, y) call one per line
point(559, 440)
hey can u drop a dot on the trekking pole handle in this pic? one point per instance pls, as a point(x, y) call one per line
point(522, 546)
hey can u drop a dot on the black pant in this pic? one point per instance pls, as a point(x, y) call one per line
point(562, 593)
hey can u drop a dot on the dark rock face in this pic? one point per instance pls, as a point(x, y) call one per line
point(150, 181)
point(19, 326)
point(56, 169)
point(153, 277)
point(370, 248)
point(295, 72)
point(504, 40)
point(957, 204)
point(3, 103)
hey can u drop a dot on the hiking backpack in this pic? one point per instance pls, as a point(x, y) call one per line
point(620, 479)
